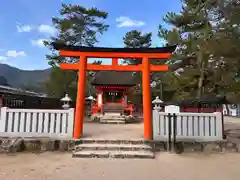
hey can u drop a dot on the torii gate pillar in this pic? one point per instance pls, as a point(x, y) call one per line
point(136, 53)
point(79, 113)
point(147, 109)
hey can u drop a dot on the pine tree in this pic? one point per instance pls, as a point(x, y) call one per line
point(136, 39)
point(76, 25)
point(225, 46)
point(194, 31)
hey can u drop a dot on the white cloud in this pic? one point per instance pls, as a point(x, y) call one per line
point(127, 22)
point(46, 29)
point(43, 28)
point(24, 28)
point(38, 42)
point(3, 59)
point(14, 53)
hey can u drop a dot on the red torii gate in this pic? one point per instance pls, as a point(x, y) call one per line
point(95, 52)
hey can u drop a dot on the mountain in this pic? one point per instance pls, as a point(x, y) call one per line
point(3, 81)
point(18, 78)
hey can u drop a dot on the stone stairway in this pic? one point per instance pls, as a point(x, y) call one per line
point(113, 108)
point(89, 148)
point(113, 114)
point(112, 119)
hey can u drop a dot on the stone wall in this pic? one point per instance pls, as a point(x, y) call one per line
point(34, 145)
point(204, 147)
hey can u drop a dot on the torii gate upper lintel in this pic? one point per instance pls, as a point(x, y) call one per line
point(96, 52)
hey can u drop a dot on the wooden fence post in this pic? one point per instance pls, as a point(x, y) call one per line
point(169, 145)
point(71, 121)
point(3, 119)
point(174, 132)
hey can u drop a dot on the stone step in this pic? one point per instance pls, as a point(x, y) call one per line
point(111, 141)
point(113, 119)
point(113, 114)
point(125, 147)
point(120, 118)
point(113, 154)
point(108, 121)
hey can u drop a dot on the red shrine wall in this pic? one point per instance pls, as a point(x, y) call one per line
point(101, 97)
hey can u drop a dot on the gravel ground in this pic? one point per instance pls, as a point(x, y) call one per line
point(57, 166)
point(61, 166)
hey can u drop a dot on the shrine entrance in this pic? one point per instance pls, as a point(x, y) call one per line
point(115, 53)
point(113, 96)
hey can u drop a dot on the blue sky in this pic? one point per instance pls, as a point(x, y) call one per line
point(25, 23)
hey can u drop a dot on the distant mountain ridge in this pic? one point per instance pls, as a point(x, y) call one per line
point(18, 78)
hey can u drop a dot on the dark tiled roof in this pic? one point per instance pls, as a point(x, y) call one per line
point(11, 90)
point(114, 78)
point(167, 49)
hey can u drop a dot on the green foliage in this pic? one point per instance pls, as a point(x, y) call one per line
point(207, 34)
point(62, 82)
point(76, 25)
point(136, 39)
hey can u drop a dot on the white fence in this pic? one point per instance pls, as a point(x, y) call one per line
point(36, 123)
point(231, 110)
point(189, 126)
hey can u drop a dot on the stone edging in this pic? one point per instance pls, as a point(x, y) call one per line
point(45, 144)
point(206, 147)
point(37, 145)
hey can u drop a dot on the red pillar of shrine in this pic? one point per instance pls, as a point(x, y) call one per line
point(79, 113)
point(147, 108)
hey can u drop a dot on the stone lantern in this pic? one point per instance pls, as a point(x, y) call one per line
point(66, 102)
point(153, 84)
point(157, 103)
point(90, 98)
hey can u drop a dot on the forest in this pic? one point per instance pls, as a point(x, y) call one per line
point(206, 61)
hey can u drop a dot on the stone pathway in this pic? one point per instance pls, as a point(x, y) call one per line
point(113, 131)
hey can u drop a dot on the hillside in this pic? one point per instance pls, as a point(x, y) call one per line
point(23, 78)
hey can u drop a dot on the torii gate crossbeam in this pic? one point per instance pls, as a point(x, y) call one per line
point(93, 52)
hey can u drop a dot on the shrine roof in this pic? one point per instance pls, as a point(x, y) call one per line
point(167, 49)
point(17, 91)
point(114, 78)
